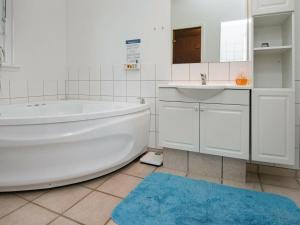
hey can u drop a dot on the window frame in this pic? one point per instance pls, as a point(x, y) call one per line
point(7, 38)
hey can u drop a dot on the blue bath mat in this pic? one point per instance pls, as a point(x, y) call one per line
point(163, 199)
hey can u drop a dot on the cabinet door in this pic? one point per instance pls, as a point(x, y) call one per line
point(273, 126)
point(179, 125)
point(261, 7)
point(224, 130)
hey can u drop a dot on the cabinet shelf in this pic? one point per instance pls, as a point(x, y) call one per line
point(272, 50)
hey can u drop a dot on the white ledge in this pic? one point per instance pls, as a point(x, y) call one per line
point(10, 67)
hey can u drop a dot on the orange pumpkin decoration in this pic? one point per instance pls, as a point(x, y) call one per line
point(242, 80)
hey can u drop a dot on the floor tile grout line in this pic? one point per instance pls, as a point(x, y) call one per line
point(62, 214)
point(51, 221)
point(106, 193)
point(2, 217)
point(260, 182)
point(108, 221)
point(46, 191)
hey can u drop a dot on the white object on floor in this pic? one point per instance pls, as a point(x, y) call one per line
point(153, 158)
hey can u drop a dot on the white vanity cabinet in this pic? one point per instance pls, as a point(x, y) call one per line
point(260, 7)
point(205, 121)
point(224, 130)
point(273, 126)
point(179, 125)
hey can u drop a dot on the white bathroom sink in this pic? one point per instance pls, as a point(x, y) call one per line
point(198, 86)
point(195, 90)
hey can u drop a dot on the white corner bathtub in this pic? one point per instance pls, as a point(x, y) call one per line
point(51, 144)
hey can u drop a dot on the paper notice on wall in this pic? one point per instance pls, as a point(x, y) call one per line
point(133, 51)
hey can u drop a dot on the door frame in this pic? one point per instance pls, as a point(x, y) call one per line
point(203, 49)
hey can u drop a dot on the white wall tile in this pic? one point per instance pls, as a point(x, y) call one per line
point(152, 140)
point(4, 91)
point(157, 86)
point(73, 73)
point(95, 72)
point(298, 114)
point(36, 99)
point(18, 88)
point(50, 98)
point(148, 89)
point(73, 88)
point(119, 72)
point(72, 97)
point(152, 123)
point(84, 97)
point(133, 75)
point(61, 87)
point(19, 101)
point(107, 98)
point(218, 71)
point(107, 88)
point(151, 102)
point(163, 72)
point(297, 91)
point(157, 106)
point(147, 72)
point(35, 88)
point(61, 97)
point(297, 137)
point(84, 73)
point(107, 72)
point(133, 99)
point(50, 87)
point(119, 99)
point(4, 101)
point(133, 88)
point(95, 88)
point(95, 98)
point(120, 88)
point(237, 68)
point(196, 69)
point(180, 72)
point(84, 87)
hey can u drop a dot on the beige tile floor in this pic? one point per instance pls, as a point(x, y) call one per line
point(92, 202)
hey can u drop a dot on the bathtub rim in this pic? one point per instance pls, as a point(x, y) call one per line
point(19, 121)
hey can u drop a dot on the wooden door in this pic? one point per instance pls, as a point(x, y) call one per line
point(187, 45)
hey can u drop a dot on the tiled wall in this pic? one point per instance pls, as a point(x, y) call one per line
point(113, 83)
point(24, 91)
point(298, 113)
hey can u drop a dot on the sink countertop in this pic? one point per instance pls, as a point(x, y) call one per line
point(210, 85)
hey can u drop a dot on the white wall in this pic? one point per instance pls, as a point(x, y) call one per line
point(208, 15)
point(97, 30)
point(39, 48)
point(297, 26)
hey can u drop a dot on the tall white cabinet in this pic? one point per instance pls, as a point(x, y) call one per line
point(273, 98)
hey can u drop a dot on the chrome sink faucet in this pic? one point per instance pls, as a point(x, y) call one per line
point(203, 78)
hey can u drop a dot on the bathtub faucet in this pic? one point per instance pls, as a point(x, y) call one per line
point(142, 100)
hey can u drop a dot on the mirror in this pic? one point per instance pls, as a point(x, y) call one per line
point(209, 31)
